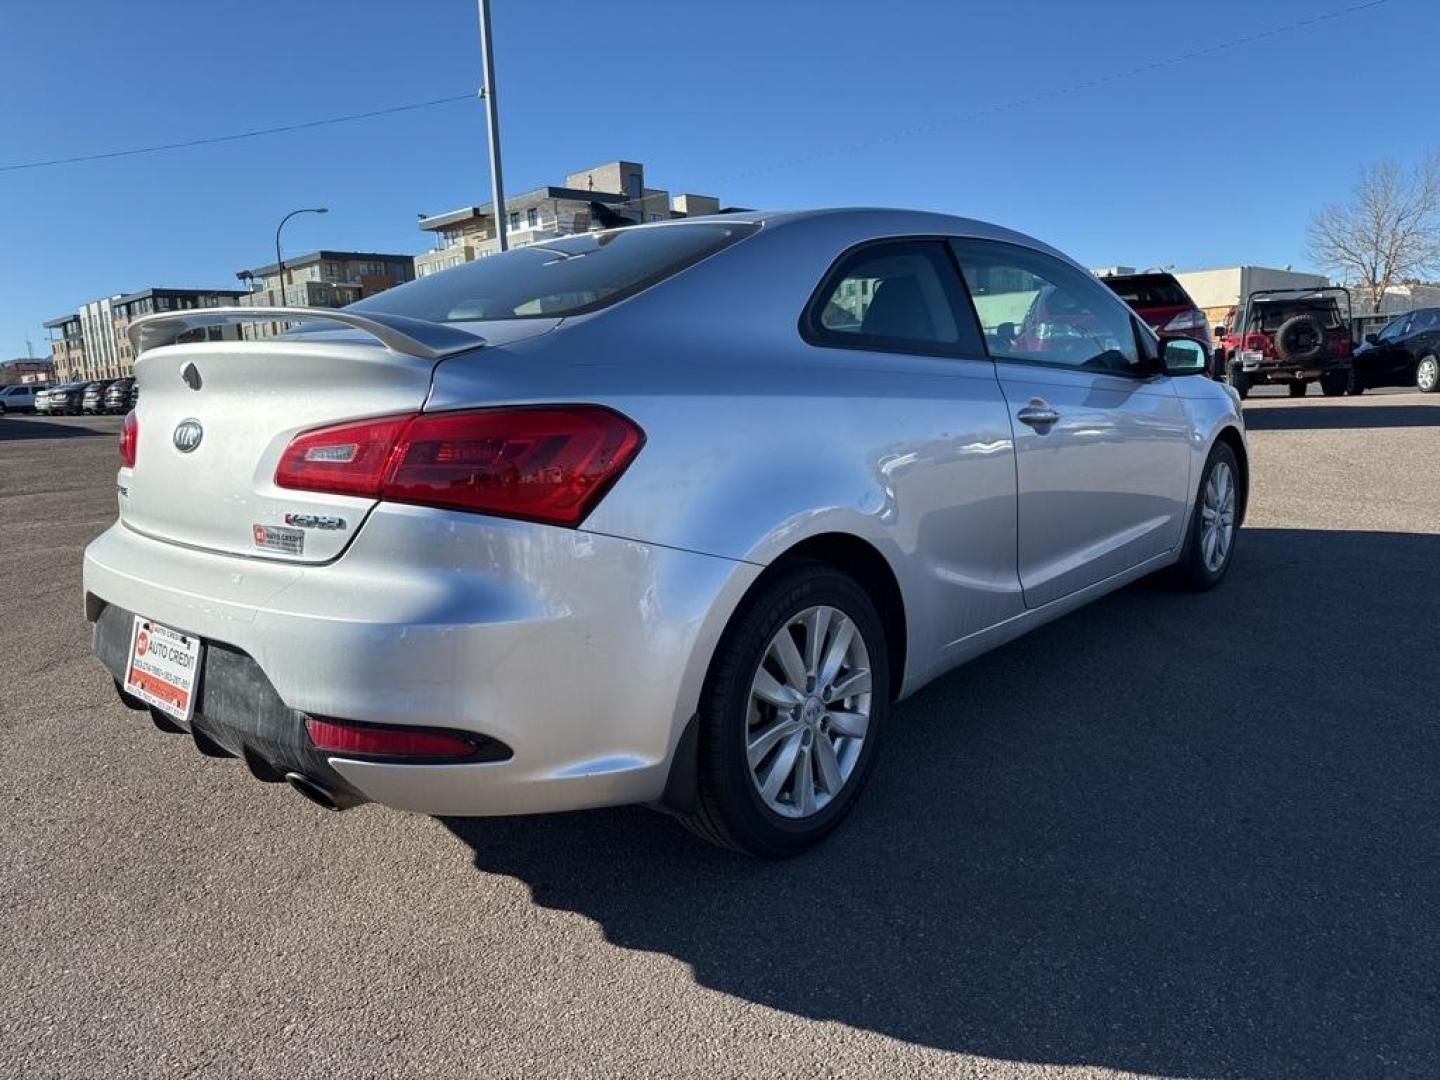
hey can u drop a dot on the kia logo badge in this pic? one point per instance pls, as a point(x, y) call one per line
point(188, 434)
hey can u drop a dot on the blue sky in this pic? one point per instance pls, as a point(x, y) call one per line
point(1208, 161)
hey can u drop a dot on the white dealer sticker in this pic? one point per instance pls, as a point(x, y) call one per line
point(279, 538)
point(163, 668)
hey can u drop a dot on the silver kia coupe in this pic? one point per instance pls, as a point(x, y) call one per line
point(671, 514)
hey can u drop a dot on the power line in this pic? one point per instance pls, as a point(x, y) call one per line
point(208, 140)
point(1054, 92)
point(901, 133)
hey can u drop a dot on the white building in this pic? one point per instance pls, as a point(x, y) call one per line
point(1400, 298)
point(1215, 291)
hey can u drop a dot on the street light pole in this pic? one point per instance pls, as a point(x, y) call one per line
point(279, 262)
point(492, 120)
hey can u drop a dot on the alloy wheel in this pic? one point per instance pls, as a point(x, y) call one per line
point(809, 711)
point(1427, 375)
point(1217, 516)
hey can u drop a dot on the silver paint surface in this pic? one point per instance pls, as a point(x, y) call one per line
point(586, 649)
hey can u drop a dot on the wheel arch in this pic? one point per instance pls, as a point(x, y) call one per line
point(851, 554)
point(861, 560)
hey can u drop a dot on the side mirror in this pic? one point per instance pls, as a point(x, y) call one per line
point(1372, 339)
point(1005, 332)
point(1183, 356)
point(1219, 330)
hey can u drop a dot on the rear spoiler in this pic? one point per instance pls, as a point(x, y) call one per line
point(411, 337)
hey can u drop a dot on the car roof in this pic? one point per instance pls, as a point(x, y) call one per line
point(1142, 276)
point(878, 220)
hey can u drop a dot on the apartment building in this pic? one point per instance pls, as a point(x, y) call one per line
point(554, 210)
point(93, 344)
point(67, 348)
point(126, 309)
point(323, 279)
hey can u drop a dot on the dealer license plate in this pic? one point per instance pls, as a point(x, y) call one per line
point(164, 668)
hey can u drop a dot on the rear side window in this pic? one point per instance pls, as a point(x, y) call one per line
point(900, 296)
point(1268, 318)
point(567, 276)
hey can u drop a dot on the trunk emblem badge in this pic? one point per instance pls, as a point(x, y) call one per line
point(314, 521)
point(188, 434)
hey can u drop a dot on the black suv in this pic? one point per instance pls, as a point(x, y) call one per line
point(1405, 353)
point(65, 398)
point(117, 397)
point(92, 400)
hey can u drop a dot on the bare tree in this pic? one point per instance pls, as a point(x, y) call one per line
point(1388, 232)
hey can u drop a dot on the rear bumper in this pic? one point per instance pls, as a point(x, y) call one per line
point(582, 653)
point(236, 708)
point(1289, 370)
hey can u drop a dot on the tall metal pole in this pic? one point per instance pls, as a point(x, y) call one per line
point(492, 118)
point(279, 262)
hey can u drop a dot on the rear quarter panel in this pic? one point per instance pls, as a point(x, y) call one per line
point(753, 446)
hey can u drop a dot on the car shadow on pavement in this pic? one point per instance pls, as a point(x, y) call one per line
point(1341, 417)
point(15, 428)
point(1170, 833)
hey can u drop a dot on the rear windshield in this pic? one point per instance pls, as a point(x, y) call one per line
point(1149, 290)
point(566, 276)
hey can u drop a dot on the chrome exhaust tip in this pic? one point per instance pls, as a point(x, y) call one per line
point(317, 793)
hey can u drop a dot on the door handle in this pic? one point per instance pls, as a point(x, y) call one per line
point(1037, 415)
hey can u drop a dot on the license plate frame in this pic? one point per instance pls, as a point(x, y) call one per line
point(162, 667)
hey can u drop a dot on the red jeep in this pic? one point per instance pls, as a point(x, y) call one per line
point(1289, 336)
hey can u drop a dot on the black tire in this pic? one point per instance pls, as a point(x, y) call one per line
point(1293, 332)
point(729, 809)
point(1191, 571)
point(1427, 374)
point(1334, 383)
point(1241, 382)
point(1299, 389)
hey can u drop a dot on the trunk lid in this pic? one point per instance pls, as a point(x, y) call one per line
point(248, 399)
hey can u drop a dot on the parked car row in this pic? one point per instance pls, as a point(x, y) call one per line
point(1295, 337)
point(93, 398)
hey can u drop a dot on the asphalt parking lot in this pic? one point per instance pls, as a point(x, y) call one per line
point(1170, 834)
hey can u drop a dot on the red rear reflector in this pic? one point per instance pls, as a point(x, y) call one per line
point(373, 740)
point(129, 437)
point(549, 464)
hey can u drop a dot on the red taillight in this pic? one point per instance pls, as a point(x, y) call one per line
point(129, 436)
point(548, 464)
point(379, 740)
point(348, 459)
